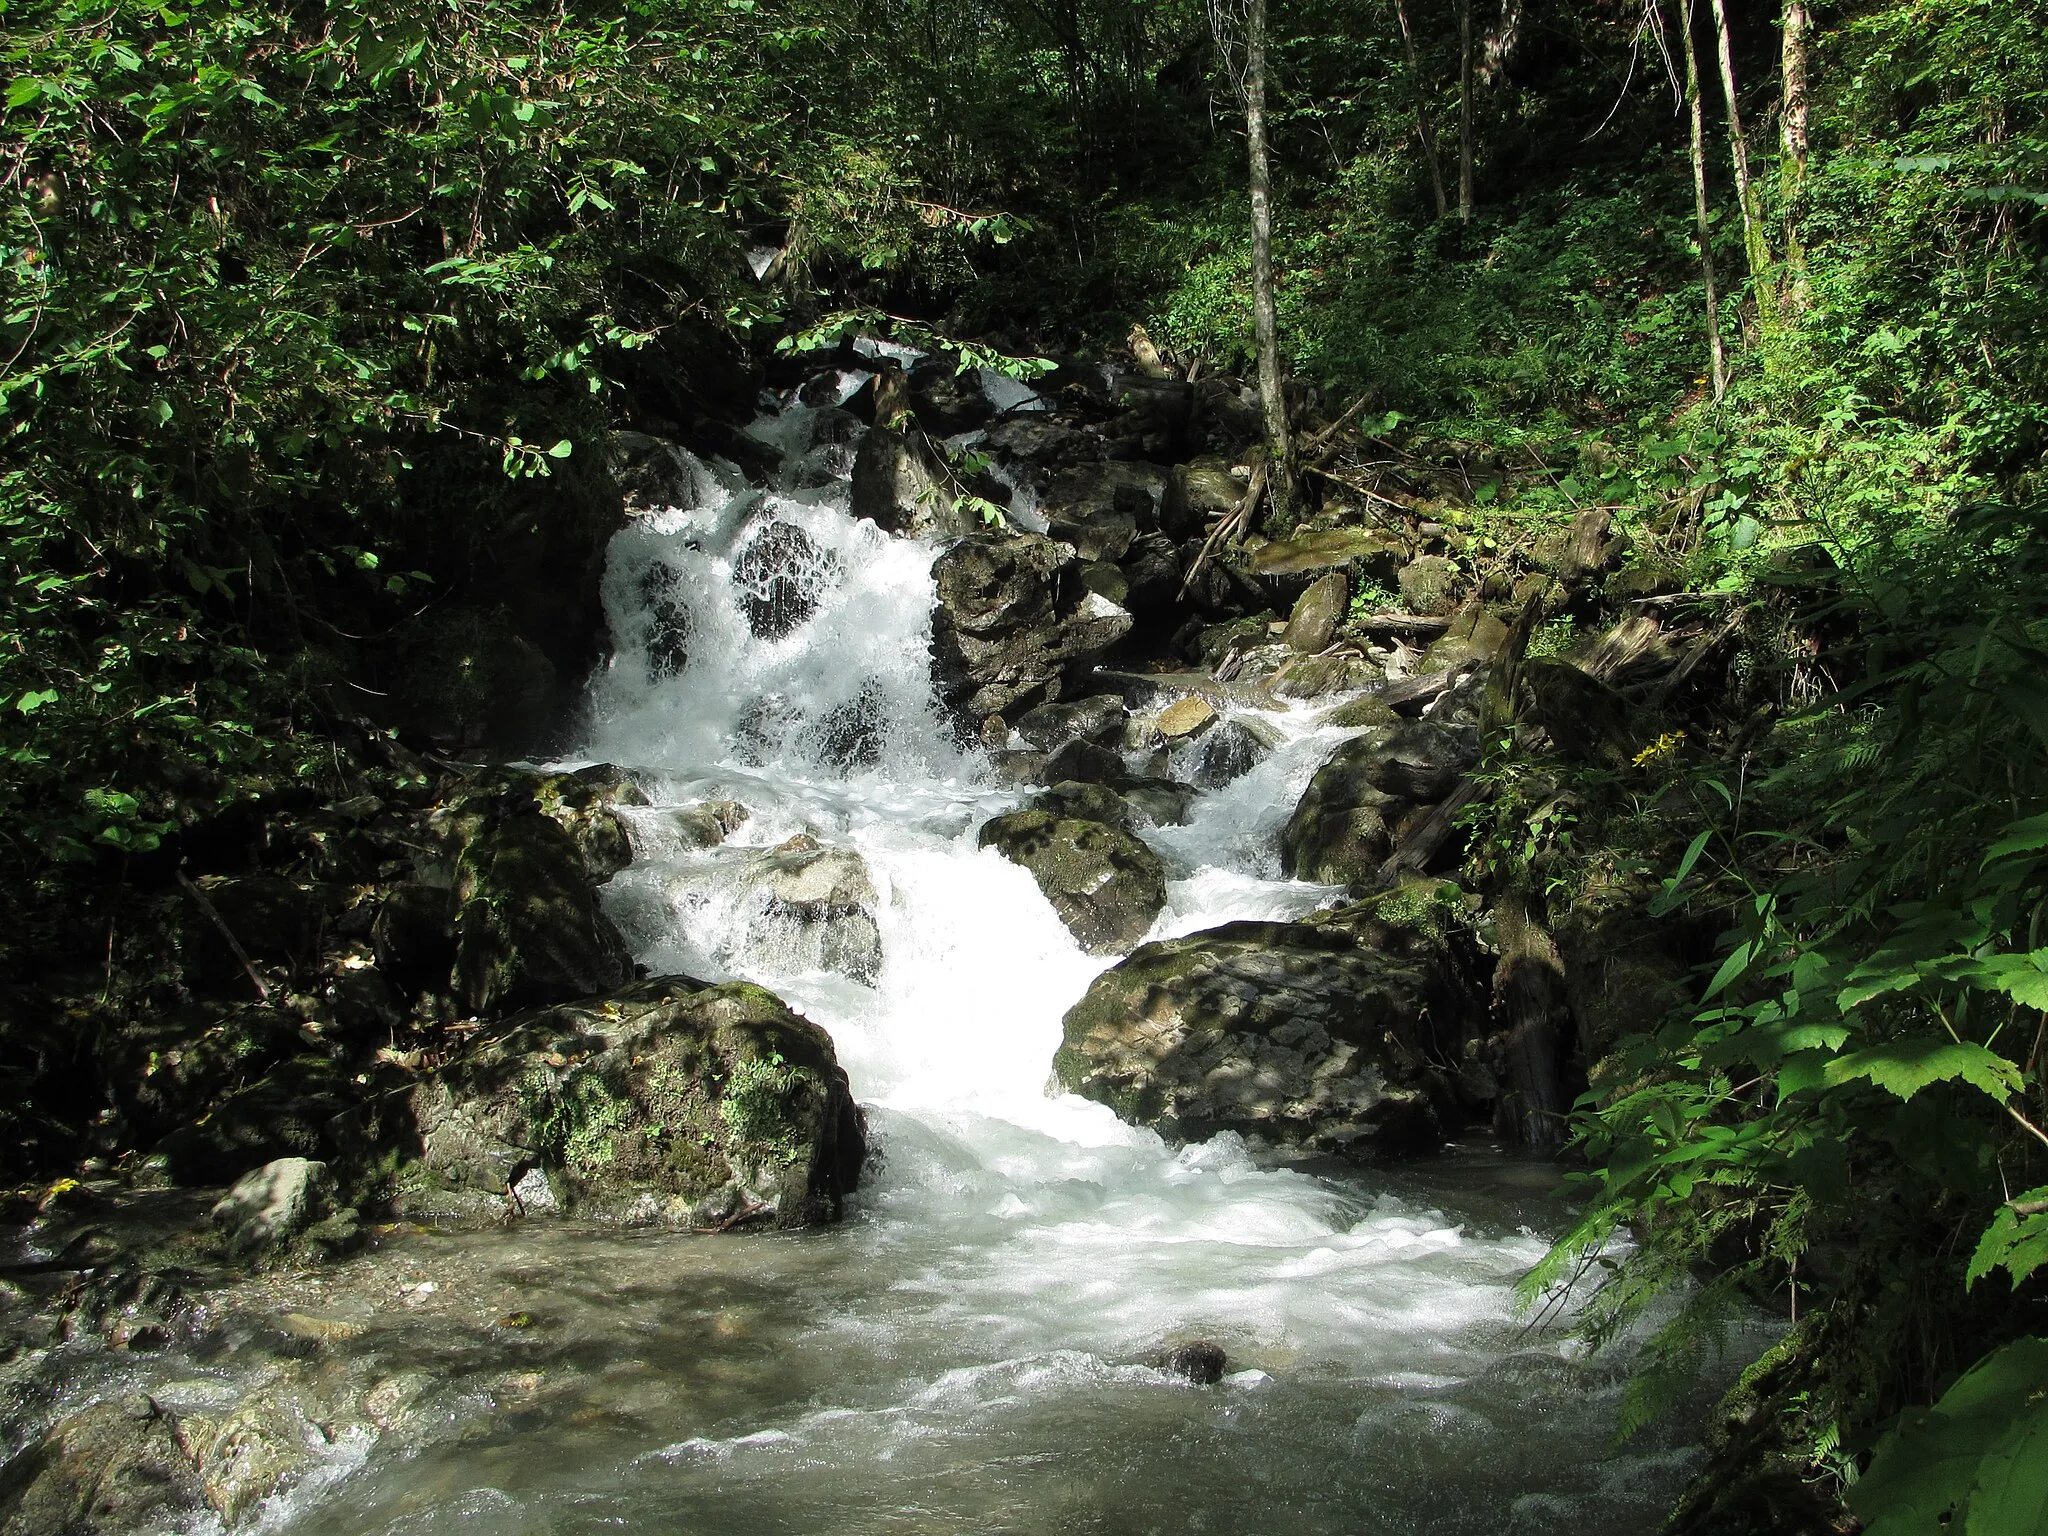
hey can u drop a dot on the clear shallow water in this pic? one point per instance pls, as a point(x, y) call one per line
point(976, 1347)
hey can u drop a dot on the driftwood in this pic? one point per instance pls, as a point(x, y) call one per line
point(1402, 624)
point(1428, 835)
point(1230, 526)
point(1699, 652)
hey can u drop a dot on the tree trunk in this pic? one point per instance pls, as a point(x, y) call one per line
point(1717, 359)
point(1265, 321)
point(1422, 128)
point(1754, 244)
point(1464, 109)
point(1529, 993)
point(1794, 143)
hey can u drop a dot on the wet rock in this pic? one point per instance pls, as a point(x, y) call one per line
point(1429, 585)
point(1317, 677)
point(1098, 718)
point(1342, 828)
point(1152, 574)
point(900, 484)
point(779, 577)
point(824, 900)
point(667, 645)
point(1292, 1032)
point(667, 1101)
point(112, 1469)
point(1014, 625)
point(1365, 711)
point(1201, 1361)
point(1041, 440)
point(530, 930)
point(1215, 642)
point(1137, 803)
point(1106, 580)
point(1185, 719)
point(1105, 884)
point(1227, 753)
point(651, 472)
point(582, 804)
point(1100, 508)
point(1200, 493)
point(1318, 612)
point(270, 1207)
point(708, 824)
point(853, 733)
point(1086, 761)
point(946, 399)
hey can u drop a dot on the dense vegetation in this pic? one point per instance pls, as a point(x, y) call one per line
point(317, 317)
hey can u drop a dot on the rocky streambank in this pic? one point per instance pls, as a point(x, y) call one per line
point(413, 1005)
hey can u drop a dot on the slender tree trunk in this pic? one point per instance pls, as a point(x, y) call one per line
point(1717, 360)
point(1754, 243)
point(1265, 321)
point(1422, 128)
point(1464, 109)
point(1793, 143)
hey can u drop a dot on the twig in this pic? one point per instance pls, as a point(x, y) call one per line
point(1222, 532)
point(213, 913)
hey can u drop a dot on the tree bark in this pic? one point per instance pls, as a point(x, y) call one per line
point(1717, 359)
point(1464, 109)
point(1422, 128)
point(1265, 319)
point(1754, 243)
point(1793, 141)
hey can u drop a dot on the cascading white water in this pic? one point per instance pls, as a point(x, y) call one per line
point(976, 1347)
point(1018, 1255)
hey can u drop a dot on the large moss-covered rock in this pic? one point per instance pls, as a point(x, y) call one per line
point(1296, 1033)
point(667, 1101)
point(529, 929)
point(1106, 885)
point(1343, 827)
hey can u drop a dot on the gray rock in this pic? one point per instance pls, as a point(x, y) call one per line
point(1317, 677)
point(270, 1207)
point(1086, 761)
point(1475, 636)
point(529, 929)
point(1100, 508)
point(1293, 1032)
point(1330, 549)
point(667, 1101)
point(1130, 804)
point(1098, 718)
point(825, 901)
point(1342, 828)
point(1318, 612)
point(1429, 584)
point(780, 575)
point(1104, 883)
point(1227, 753)
point(1015, 626)
point(708, 824)
point(112, 1469)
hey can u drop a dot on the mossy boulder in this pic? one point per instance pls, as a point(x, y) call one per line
point(1106, 885)
point(1344, 825)
point(1296, 1033)
point(666, 1101)
point(530, 930)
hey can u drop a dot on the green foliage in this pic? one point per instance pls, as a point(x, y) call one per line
point(754, 1105)
point(1975, 1463)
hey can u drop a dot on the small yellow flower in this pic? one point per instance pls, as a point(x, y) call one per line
point(1664, 746)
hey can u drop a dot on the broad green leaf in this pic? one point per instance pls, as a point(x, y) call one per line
point(1942, 1460)
point(2012, 1242)
point(1904, 1067)
point(2026, 836)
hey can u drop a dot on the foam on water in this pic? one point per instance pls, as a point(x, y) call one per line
point(976, 1347)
